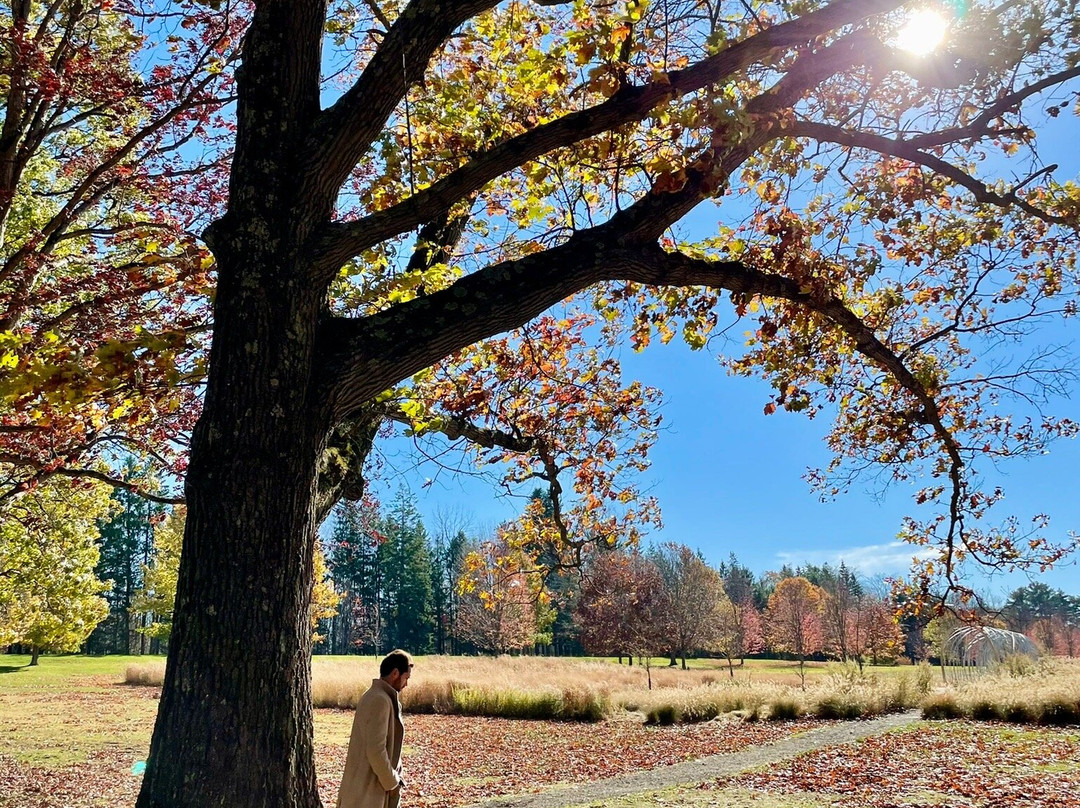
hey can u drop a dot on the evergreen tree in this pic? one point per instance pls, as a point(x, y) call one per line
point(739, 581)
point(406, 562)
point(447, 557)
point(126, 547)
point(353, 557)
point(156, 598)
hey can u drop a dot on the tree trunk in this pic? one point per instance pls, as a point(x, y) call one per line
point(34, 653)
point(234, 727)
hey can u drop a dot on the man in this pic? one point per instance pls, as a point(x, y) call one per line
point(372, 776)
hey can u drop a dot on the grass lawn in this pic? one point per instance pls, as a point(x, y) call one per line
point(70, 733)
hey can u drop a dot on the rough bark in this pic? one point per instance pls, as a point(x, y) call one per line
point(234, 726)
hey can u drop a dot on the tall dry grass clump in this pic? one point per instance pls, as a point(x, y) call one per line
point(530, 687)
point(850, 693)
point(847, 694)
point(146, 674)
point(1044, 693)
point(749, 700)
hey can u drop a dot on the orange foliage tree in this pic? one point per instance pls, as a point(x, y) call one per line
point(793, 621)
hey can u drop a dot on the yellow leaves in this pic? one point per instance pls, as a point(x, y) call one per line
point(121, 409)
point(584, 54)
point(619, 34)
point(768, 191)
point(604, 80)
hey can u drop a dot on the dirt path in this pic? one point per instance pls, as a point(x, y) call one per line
point(704, 769)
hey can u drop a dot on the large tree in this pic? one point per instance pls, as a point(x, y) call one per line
point(539, 150)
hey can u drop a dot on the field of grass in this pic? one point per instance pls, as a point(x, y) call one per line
point(70, 731)
point(593, 689)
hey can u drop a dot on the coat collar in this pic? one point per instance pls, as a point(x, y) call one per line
point(385, 688)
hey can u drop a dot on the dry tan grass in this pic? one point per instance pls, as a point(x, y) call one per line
point(339, 681)
point(1048, 694)
point(151, 674)
point(544, 687)
point(561, 687)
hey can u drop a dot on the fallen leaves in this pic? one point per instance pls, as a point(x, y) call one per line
point(450, 760)
point(956, 765)
point(456, 760)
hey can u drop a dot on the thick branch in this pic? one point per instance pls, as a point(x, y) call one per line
point(342, 241)
point(343, 132)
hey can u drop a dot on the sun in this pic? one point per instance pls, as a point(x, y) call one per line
point(924, 30)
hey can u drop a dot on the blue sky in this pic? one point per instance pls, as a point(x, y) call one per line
point(730, 479)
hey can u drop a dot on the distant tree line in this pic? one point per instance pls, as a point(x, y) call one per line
point(91, 568)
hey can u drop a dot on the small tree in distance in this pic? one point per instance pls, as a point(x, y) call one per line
point(793, 620)
point(695, 592)
point(739, 632)
point(624, 608)
point(50, 598)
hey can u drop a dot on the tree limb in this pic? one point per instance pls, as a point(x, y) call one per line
point(342, 133)
point(341, 241)
point(906, 151)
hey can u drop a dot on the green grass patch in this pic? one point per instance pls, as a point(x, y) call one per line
point(64, 671)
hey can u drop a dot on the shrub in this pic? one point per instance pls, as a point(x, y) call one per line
point(582, 705)
point(784, 710)
point(149, 674)
point(836, 707)
point(1019, 713)
point(923, 676)
point(543, 705)
point(1019, 666)
point(941, 707)
point(663, 715)
point(985, 710)
point(1060, 711)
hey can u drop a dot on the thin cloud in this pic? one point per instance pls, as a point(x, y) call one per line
point(872, 559)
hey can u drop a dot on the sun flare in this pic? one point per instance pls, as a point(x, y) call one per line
point(924, 30)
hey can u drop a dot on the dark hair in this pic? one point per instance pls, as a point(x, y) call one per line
point(396, 660)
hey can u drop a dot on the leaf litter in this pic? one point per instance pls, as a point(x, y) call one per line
point(956, 765)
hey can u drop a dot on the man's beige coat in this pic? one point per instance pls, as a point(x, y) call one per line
point(372, 769)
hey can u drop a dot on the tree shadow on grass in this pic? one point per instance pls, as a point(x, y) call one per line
point(11, 668)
